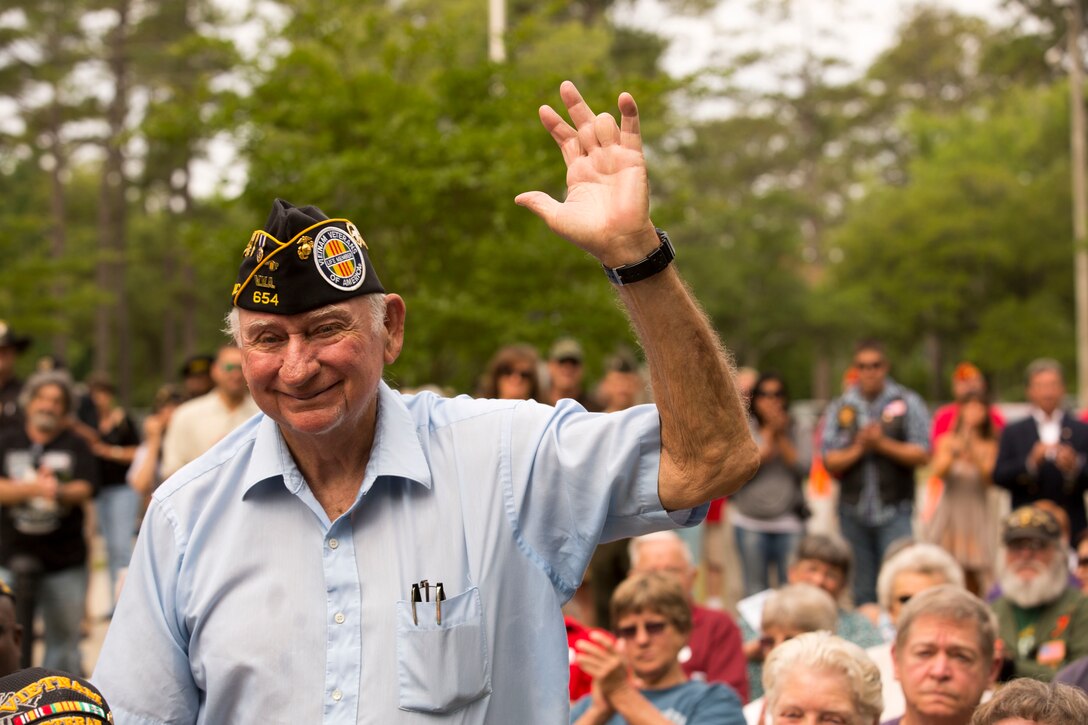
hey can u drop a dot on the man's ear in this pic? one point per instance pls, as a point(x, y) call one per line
point(394, 327)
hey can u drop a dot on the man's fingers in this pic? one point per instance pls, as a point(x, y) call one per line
point(604, 126)
point(539, 203)
point(566, 138)
point(578, 109)
point(630, 133)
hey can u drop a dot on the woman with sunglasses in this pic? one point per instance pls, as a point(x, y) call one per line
point(512, 374)
point(637, 677)
point(768, 513)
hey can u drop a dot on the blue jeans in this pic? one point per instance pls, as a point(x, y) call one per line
point(117, 507)
point(869, 543)
point(60, 597)
point(758, 552)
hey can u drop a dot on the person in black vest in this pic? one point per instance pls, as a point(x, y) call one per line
point(1043, 455)
point(875, 437)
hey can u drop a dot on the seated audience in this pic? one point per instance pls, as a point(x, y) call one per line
point(1043, 622)
point(823, 561)
point(637, 677)
point(714, 651)
point(1029, 702)
point(945, 656)
point(821, 678)
point(789, 612)
point(909, 571)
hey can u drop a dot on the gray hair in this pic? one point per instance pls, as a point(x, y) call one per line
point(954, 603)
point(37, 381)
point(830, 550)
point(658, 536)
point(802, 607)
point(1043, 365)
point(928, 559)
point(1028, 699)
point(824, 652)
point(375, 300)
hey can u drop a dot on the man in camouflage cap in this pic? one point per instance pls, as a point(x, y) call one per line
point(358, 555)
point(1042, 620)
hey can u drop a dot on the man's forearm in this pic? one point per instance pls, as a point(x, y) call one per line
point(707, 450)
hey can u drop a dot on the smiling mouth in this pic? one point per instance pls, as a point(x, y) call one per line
point(304, 397)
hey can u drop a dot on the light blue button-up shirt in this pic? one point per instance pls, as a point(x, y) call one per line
point(244, 603)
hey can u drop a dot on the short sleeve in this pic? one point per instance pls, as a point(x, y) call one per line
point(579, 708)
point(143, 669)
point(577, 479)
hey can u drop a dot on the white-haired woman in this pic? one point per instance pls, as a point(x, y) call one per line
point(818, 677)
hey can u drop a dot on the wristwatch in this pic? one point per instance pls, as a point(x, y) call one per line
point(653, 263)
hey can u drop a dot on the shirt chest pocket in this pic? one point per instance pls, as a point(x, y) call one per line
point(442, 666)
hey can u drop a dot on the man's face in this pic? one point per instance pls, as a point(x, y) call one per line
point(942, 669)
point(318, 372)
point(47, 408)
point(872, 370)
point(1046, 390)
point(566, 373)
point(818, 573)
point(1029, 559)
point(652, 644)
point(11, 638)
point(666, 557)
point(227, 373)
point(619, 390)
point(906, 585)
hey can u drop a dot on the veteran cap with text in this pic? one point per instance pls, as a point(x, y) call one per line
point(302, 260)
point(51, 697)
point(1030, 522)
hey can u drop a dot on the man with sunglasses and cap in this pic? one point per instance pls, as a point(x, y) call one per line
point(357, 555)
point(201, 422)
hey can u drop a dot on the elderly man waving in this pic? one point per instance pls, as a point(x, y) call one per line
point(354, 555)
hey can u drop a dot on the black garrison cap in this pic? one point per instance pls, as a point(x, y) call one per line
point(318, 262)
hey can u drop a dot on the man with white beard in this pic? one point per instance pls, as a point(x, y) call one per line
point(1043, 622)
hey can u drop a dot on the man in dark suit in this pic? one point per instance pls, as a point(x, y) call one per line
point(1043, 456)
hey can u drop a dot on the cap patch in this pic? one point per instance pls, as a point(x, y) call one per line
point(338, 259)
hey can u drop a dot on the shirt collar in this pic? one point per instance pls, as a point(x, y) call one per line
point(395, 454)
point(1042, 418)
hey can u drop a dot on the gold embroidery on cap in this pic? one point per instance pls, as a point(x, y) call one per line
point(353, 231)
point(305, 248)
point(252, 240)
point(273, 266)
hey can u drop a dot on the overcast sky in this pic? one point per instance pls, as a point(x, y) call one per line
point(854, 29)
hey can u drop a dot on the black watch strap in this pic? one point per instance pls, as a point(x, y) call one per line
point(653, 263)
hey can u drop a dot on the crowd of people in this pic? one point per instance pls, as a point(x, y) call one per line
point(288, 499)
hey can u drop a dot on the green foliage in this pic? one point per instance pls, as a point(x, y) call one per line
point(397, 120)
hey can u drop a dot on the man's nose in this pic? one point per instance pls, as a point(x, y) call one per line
point(299, 364)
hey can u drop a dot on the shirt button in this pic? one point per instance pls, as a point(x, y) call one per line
point(339, 617)
point(333, 543)
point(337, 695)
